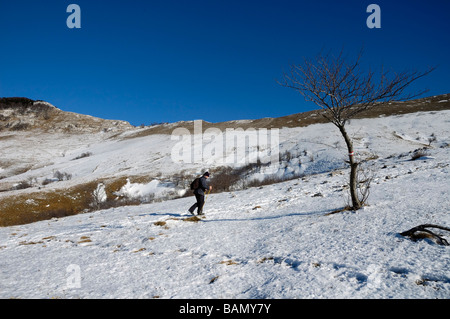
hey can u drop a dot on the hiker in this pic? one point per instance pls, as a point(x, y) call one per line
point(199, 192)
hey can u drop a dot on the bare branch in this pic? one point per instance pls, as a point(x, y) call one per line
point(339, 86)
point(419, 231)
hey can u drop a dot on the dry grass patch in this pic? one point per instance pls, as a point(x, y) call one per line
point(194, 219)
point(49, 238)
point(32, 207)
point(40, 205)
point(427, 104)
point(160, 223)
point(30, 242)
point(228, 262)
point(84, 239)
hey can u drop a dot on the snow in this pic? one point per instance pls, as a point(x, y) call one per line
point(154, 188)
point(275, 241)
point(100, 193)
point(44, 103)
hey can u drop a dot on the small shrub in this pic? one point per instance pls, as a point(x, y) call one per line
point(15, 102)
point(224, 179)
point(286, 156)
point(227, 178)
point(99, 196)
point(22, 185)
point(62, 176)
point(48, 181)
point(20, 126)
point(418, 154)
point(83, 155)
point(432, 139)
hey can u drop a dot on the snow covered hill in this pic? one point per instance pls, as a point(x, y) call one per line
point(271, 241)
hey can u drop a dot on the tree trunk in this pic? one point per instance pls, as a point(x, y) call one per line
point(356, 203)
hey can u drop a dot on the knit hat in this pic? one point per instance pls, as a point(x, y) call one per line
point(206, 174)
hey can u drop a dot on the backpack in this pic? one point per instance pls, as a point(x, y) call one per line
point(195, 184)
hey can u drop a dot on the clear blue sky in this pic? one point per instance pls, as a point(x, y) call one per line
point(148, 61)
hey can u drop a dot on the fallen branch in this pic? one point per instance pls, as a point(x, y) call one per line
point(421, 232)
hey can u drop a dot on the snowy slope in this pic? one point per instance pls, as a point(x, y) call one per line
point(276, 241)
point(318, 147)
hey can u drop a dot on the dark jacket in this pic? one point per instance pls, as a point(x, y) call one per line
point(202, 187)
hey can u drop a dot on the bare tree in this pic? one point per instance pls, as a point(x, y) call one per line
point(339, 86)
